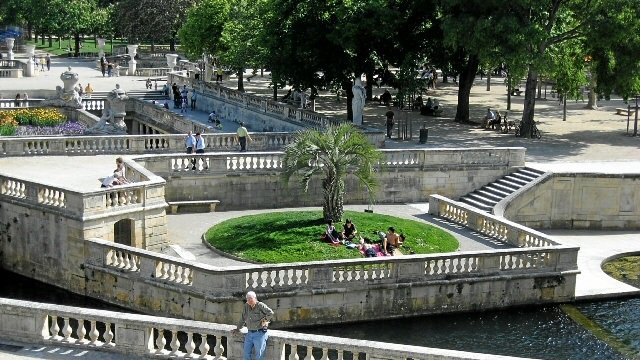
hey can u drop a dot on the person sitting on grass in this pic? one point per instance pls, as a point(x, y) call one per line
point(391, 241)
point(332, 235)
point(349, 231)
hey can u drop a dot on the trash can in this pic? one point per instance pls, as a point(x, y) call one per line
point(424, 134)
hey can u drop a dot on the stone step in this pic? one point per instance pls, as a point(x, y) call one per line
point(506, 185)
point(490, 194)
point(530, 171)
point(527, 178)
point(481, 199)
point(476, 204)
point(515, 180)
point(495, 190)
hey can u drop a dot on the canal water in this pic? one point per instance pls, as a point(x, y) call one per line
point(609, 330)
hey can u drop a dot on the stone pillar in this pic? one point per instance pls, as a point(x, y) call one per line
point(172, 60)
point(30, 63)
point(9, 42)
point(133, 50)
point(101, 43)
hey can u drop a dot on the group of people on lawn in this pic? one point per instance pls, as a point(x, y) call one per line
point(389, 241)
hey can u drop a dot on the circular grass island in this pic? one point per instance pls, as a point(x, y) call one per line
point(285, 237)
point(625, 269)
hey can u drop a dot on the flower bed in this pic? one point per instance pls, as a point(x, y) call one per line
point(37, 121)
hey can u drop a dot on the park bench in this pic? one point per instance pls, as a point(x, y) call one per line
point(625, 111)
point(193, 205)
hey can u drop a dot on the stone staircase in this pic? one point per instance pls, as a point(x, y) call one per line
point(489, 195)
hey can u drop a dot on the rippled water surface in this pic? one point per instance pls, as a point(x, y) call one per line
point(542, 333)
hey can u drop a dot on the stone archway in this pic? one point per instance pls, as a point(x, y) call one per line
point(123, 232)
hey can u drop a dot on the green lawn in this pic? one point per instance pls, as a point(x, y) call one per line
point(284, 237)
point(88, 45)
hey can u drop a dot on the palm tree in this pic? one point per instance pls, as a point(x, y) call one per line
point(338, 151)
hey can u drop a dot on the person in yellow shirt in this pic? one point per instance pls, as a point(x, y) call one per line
point(242, 134)
point(88, 90)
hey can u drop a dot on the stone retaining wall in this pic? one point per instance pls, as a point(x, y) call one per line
point(579, 201)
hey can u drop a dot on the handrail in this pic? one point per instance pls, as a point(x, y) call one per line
point(494, 226)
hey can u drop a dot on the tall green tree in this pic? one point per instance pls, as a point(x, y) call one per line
point(332, 154)
point(201, 33)
point(154, 21)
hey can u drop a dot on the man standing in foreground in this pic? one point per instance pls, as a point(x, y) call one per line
point(256, 316)
point(243, 135)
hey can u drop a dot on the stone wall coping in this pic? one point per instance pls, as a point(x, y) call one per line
point(29, 321)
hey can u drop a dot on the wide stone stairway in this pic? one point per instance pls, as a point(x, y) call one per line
point(489, 195)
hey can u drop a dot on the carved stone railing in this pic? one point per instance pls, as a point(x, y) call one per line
point(93, 104)
point(152, 72)
point(11, 103)
point(487, 224)
point(153, 337)
point(354, 274)
point(11, 73)
point(256, 103)
point(130, 144)
point(85, 205)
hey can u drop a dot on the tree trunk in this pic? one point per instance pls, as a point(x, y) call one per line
point(593, 96)
point(42, 39)
point(35, 38)
point(76, 51)
point(564, 108)
point(489, 81)
point(333, 207)
point(172, 43)
point(29, 31)
point(529, 103)
point(369, 87)
point(153, 47)
point(275, 91)
point(50, 41)
point(445, 78)
point(508, 92)
point(465, 82)
point(240, 80)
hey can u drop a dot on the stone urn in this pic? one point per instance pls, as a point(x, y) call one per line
point(70, 79)
point(9, 42)
point(117, 102)
point(101, 42)
point(30, 63)
point(133, 50)
point(172, 60)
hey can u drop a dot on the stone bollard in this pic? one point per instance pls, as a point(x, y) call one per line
point(101, 42)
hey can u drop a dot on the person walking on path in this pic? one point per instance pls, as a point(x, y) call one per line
point(199, 145)
point(42, 63)
point(194, 97)
point(103, 65)
point(256, 316)
point(243, 135)
point(48, 62)
point(389, 122)
point(189, 143)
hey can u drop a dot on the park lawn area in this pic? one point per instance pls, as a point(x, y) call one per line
point(284, 237)
point(88, 45)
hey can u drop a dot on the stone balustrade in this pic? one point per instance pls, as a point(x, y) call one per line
point(153, 72)
point(354, 274)
point(130, 144)
point(93, 104)
point(85, 205)
point(151, 337)
point(304, 118)
point(11, 103)
point(487, 224)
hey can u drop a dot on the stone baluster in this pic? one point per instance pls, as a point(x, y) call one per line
point(81, 332)
point(204, 346)
point(93, 333)
point(218, 349)
point(294, 352)
point(175, 343)
point(55, 329)
point(160, 342)
point(190, 346)
point(108, 335)
point(66, 331)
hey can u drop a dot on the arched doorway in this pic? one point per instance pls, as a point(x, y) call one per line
point(123, 232)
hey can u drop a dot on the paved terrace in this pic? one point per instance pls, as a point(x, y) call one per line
point(589, 141)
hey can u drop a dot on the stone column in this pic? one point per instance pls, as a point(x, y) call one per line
point(30, 63)
point(133, 50)
point(9, 42)
point(101, 43)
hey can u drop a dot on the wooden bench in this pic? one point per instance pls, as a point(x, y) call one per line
point(623, 111)
point(206, 205)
